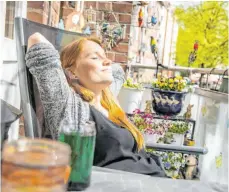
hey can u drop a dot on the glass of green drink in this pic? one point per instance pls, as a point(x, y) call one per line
point(81, 139)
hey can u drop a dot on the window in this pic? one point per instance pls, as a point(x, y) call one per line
point(9, 19)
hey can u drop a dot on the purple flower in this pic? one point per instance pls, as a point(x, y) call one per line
point(167, 165)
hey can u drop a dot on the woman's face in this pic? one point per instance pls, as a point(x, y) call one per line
point(93, 69)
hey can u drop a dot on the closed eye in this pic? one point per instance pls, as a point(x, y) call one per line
point(94, 58)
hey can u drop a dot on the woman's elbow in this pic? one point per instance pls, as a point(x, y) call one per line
point(36, 38)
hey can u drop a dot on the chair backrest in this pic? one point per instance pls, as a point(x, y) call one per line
point(30, 99)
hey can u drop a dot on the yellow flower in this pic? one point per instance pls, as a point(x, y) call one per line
point(163, 79)
point(171, 80)
point(171, 86)
point(178, 77)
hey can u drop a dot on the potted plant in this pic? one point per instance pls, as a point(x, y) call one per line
point(130, 96)
point(145, 123)
point(178, 129)
point(172, 162)
point(168, 95)
point(166, 139)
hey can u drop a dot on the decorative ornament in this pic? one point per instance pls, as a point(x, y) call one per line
point(204, 110)
point(75, 19)
point(196, 46)
point(74, 22)
point(219, 160)
point(143, 3)
point(140, 18)
point(61, 24)
point(188, 113)
point(153, 44)
point(111, 34)
point(90, 14)
point(87, 31)
point(148, 109)
point(153, 20)
point(192, 57)
point(142, 49)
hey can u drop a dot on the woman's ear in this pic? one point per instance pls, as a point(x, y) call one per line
point(70, 74)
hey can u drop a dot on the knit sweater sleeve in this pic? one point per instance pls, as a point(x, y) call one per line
point(59, 101)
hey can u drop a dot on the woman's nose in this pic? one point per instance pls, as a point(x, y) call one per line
point(107, 62)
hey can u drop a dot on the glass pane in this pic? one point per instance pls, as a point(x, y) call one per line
point(9, 19)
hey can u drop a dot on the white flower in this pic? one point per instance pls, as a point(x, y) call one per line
point(177, 164)
point(175, 173)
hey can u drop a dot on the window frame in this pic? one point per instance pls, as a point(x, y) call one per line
point(9, 51)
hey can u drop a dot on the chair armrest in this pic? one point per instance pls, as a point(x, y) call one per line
point(179, 149)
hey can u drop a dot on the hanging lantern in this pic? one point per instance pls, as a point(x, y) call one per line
point(90, 14)
point(140, 17)
point(153, 20)
point(153, 45)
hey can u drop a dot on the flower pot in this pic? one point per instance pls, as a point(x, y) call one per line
point(167, 102)
point(172, 173)
point(178, 139)
point(152, 138)
point(130, 99)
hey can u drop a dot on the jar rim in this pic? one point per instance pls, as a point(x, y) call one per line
point(56, 153)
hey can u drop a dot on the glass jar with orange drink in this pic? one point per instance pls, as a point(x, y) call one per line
point(40, 165)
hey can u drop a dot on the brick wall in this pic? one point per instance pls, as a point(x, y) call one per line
point(122, 12)
point(38, 11)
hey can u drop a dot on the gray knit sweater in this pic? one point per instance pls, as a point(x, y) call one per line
point(61, 104)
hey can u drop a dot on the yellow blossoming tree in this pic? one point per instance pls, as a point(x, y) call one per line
point(208, 24)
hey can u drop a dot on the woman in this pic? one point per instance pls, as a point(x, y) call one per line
point(119, 144)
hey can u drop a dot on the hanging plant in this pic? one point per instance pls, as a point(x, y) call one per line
point(111, 34)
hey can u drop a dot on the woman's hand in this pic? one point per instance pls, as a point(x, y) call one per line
point(36, 38)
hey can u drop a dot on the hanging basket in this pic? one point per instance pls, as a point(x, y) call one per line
point(167, 102)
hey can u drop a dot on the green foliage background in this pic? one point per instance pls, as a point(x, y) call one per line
point(207, 23)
